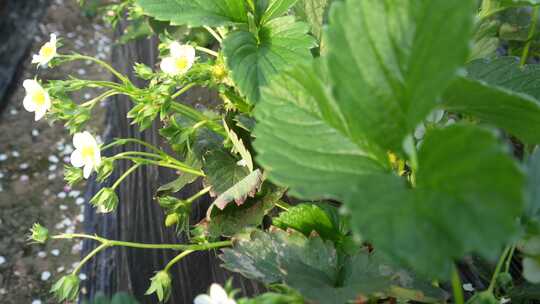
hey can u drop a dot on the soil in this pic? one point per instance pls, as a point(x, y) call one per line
point(32, 156)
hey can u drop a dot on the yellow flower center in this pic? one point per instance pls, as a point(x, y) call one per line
point(47, 51)
point(39, 98)
point(181, 63)
point(88, 152)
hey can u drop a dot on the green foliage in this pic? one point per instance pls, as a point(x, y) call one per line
point(308, 218)
point(342, 157)
point(314, 13)
point(313, 267)
point(254, 58)
point(196, 12)
point(390, 64)
point(494, 91)
point(105, 200)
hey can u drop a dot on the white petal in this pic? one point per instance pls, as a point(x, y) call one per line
point(78, 140)
point(203, 299)
point(77, 159)
point(40, 112)
point(87, 170)
point(168, 65)
point(176, 49)
point(36, 59)
point(217, 293)
point(53, 39)
point(31, 85)
point(28, 104)
point(97, 157)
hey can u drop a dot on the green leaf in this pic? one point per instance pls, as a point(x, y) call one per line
point(222, 171)
point(307, 218)
point(239, 147)
point(531, 261)
point(276, 8)
point(518, 3)
point(494, 92)
point(196, 12)
point(184, 178)
point(467, 197)
point(532, 209)
point(302, 143)
point(233, 219)
point(311, 266)
point(248, 186)
point(314, 12)
point(389, 70)
point(332, 143)
point(253, 60)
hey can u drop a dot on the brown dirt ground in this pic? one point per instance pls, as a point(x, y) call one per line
point(31, 166)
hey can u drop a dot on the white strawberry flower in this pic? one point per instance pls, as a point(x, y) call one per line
point(217, 295)
point(37, 99)
point(87, 153)
point(181, 59)
point(46, 53)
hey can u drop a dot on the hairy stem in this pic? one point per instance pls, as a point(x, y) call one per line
point(532, 32)
point(207, 51)
point(498, 268)
point(456, 287)
point(126, 174)
point(177, 259)
point(89, 256)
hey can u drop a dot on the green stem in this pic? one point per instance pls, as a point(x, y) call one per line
point(457, 287)
point(166, 164)
point(182, 91)
point(198, 116)
point(135, 153)
point(509, 259)
point(76, 235)
point(214, 34)
point(282, 205)
point(198, 194)
point(92, 102)
point(100, 62)
point(123, 141)
point(177, 259)
point(207, 51)
point(532, 32)
point(89, 256)
point(126, 174)
point(498, 269)
point(110, 243)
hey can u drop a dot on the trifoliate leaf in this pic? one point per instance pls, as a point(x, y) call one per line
point(254, 60)
point(196, 12)
point(311, 266)
point(385, 62)
point(328, 164)
point(494, 91)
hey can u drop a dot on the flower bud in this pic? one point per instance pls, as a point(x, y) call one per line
point(105, 169)
point(67, 288)
point(72, 175)
point(39, 234)
point(160, 285)
point(105, 200)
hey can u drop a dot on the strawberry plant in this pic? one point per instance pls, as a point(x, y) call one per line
point(387, 140)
